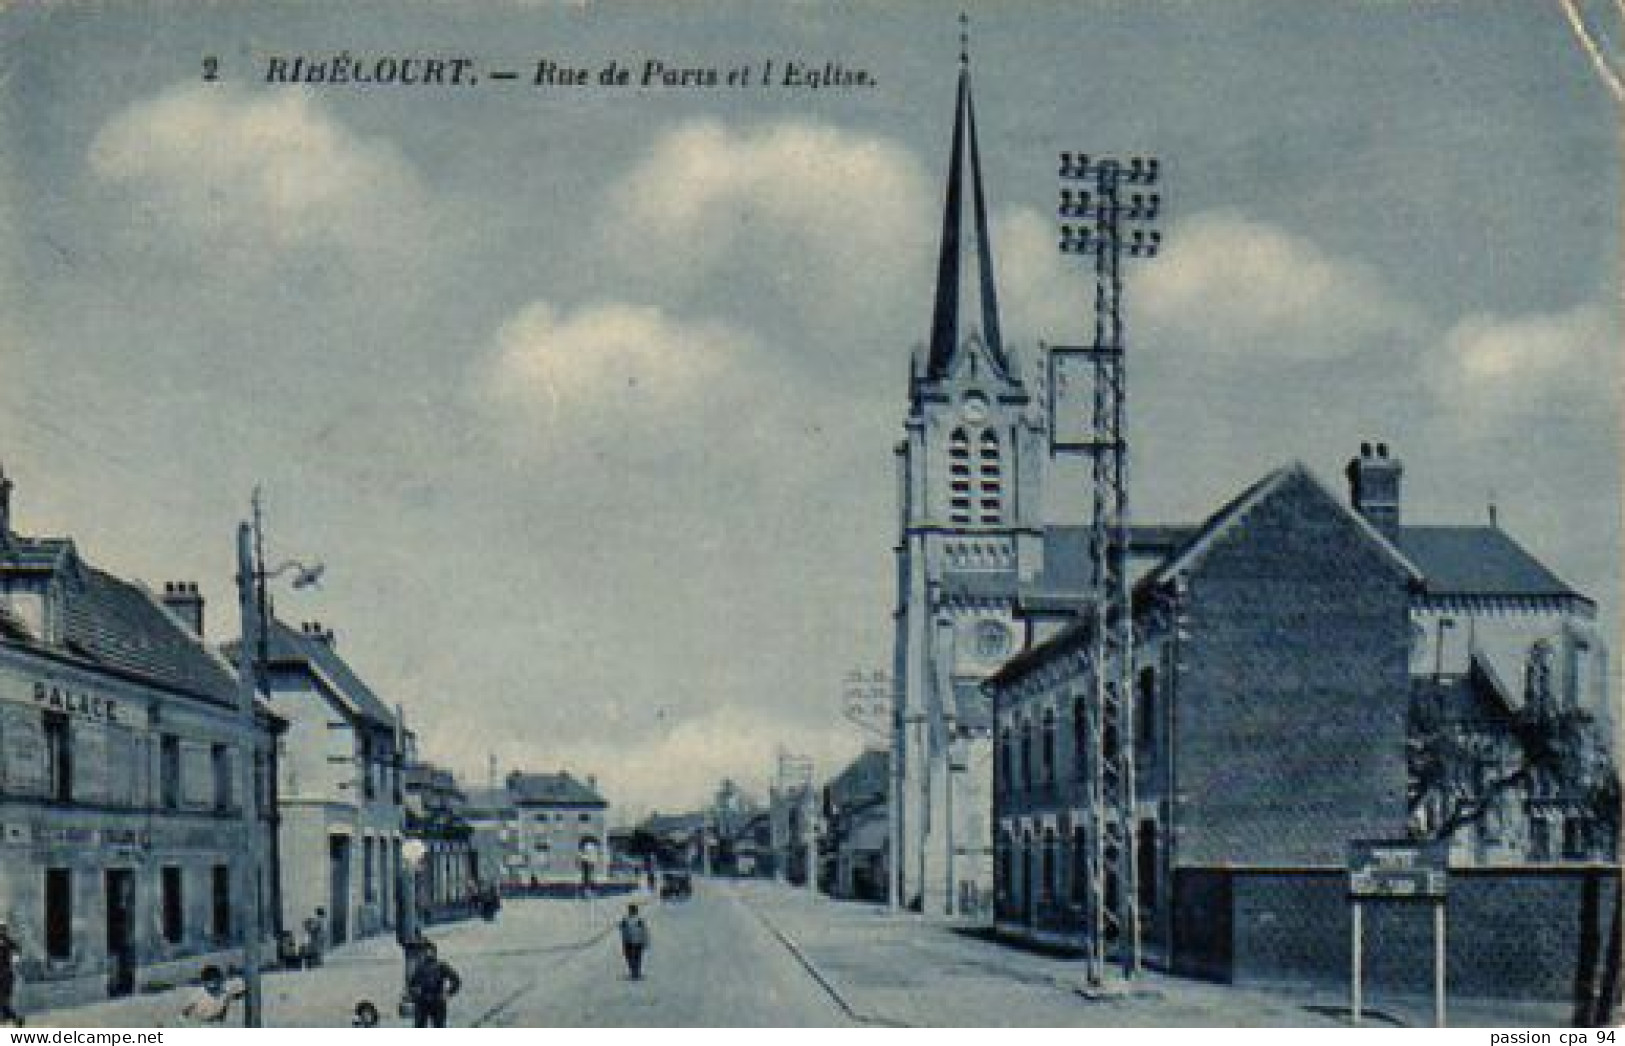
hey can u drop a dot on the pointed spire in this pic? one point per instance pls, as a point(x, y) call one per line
point(966, 300)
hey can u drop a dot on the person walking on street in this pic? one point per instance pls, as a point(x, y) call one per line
point(634, 939)
point(10, 956)
point(431, 984)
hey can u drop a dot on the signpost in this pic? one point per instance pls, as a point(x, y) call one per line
point(1398, 870)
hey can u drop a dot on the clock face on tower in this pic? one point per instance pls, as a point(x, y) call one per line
point(974, 408)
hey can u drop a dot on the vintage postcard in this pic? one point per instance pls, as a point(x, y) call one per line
point(887, 513)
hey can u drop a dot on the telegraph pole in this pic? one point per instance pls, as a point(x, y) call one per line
point(1113, 219)
point(249, 861)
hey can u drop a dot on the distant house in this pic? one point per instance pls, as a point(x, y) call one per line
point(560, 823)
point(435, 816)
point(857, 828)
point(493, 822)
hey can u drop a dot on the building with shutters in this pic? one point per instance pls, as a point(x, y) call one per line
point(121, 830)
point(559, 823)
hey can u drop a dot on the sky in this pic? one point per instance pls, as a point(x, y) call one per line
point(586, 395)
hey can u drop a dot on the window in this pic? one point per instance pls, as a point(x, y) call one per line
point(1027, 754)
point(369, 785)
point(585, 818)
point(369, 872)
point(1146, 715)
point(174, 917)
point(59, 913)
point(58, 757)
point(1080, 866)
point(169, 771)
point(220, 764)
point(220, 879)
point(1046, 878)
point(262, 782)
point(1080, 738)
point(1048, 765)
point(1145, 865)
point(959, 479)
point(992, 482)
point(1007, 775)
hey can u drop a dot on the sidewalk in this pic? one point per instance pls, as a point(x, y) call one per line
point(372, 969)
point(900, 969)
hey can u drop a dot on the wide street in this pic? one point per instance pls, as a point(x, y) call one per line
point(751, 954)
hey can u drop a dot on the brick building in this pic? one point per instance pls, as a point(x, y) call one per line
point(1281, 648)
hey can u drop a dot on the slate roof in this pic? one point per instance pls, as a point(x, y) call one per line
point(117, 625)
point(487, 802)
point(1067, 570)
point(864, 778)
point(1478, 561)
point(288, 646)
point(558, 789)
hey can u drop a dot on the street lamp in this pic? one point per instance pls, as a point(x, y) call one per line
point(251, 579)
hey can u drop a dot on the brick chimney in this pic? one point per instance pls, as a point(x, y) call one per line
point(184, 601)
point(5, 507)
point(1374, 480)
point(314, 630)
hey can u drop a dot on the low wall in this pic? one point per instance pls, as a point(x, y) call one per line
point(1528, 932)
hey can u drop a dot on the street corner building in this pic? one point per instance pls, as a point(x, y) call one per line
point(1310, 671)
point(341, 791)
point(121, 827)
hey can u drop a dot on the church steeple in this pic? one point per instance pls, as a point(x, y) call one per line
point(966, 300)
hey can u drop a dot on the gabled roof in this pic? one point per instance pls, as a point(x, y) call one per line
point(115, 624)
point(1478, 561)
point(558, 789)
point(286, 647)
point(866, 776)
point(1236, 510)
point(1068, 570)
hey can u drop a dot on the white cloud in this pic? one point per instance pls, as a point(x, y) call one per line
point(611, 356)
point(836, 221)
point(1493, 369)
point(229, 168)
point(1242, 286)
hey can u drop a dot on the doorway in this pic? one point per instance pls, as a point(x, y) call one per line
point(120, 886)
point(338, 905)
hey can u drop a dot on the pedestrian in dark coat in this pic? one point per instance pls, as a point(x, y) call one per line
point(634, 939)
point(10, 956)
point(431, 984)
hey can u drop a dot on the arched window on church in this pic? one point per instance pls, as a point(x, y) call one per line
point(990, 488)
point(959, 478)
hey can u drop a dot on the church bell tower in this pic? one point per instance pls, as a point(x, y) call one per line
point(969, 472)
